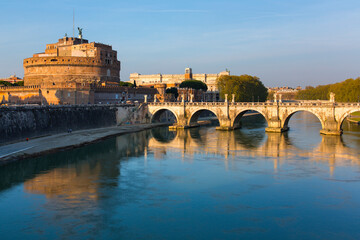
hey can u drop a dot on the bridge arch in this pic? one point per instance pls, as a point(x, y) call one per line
point(196, 114)
point(287, 118)
point(343, 117)
point(158, 112)
point(236, 122)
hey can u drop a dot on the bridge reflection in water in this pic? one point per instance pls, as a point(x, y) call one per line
point(256, 143)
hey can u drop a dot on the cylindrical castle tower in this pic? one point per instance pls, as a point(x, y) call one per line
point(72, 60)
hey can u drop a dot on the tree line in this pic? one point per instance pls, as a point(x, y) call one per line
point(346, 91)
point(6, 83)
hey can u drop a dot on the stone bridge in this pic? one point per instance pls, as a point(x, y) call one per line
point(277, 114)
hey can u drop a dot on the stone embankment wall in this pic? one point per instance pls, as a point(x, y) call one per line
point(21, 122)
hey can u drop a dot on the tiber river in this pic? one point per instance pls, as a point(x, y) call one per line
point(193, 184)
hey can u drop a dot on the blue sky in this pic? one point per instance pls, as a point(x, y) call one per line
point(284, 42)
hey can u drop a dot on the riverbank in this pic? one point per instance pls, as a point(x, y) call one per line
point(58, 142)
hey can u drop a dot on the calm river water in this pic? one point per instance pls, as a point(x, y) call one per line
point(193, 184)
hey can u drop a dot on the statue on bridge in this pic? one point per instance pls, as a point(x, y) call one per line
point(332, 97)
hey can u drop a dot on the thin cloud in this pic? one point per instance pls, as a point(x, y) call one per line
point(273, 15)
point(164, 10)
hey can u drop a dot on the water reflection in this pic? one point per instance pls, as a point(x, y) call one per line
point(74, 183)
point(118, 188)
point(77, 173)
point(254, 142)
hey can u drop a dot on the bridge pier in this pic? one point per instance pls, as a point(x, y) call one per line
point(274, 126)
point(225, 128)
point(176, 126)
point(331, 128)
point(225, 125)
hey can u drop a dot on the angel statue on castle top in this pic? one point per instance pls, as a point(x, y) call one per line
point(80, 32)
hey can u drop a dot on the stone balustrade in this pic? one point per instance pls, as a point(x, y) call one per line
point(277, 114)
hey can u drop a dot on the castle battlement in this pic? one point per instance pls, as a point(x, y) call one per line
point(20, 88)
point(49, 61)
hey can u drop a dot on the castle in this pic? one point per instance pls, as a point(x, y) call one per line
point(72, 60)
point(72, 71)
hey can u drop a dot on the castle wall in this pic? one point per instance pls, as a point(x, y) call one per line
point(46, 95)
point(42, 70)
point(20, 95)
point(72, 93)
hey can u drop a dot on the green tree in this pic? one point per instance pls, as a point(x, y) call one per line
point(245, 87)
point(346, 91)
point(20, 83)
point(126, 84)
point(194, 84)
point(172, 90)
point(5, 83)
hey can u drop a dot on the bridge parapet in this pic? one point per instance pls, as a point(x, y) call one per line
point(348, 104)
point(304, 104)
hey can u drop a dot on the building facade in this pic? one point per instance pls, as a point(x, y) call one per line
point(150, 80)
point(12, 79)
